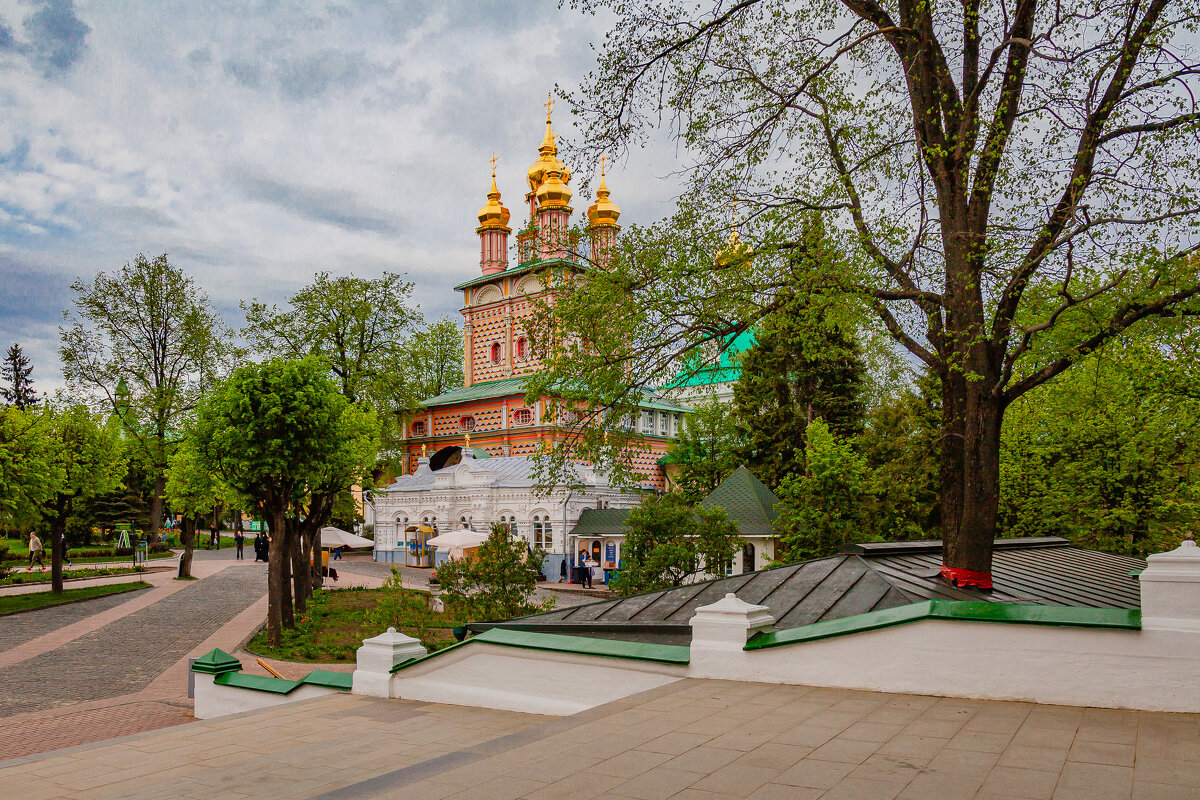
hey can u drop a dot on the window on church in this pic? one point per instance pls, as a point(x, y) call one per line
point(648, 421)
point(543, 532)
point(522, 349)
point(522, 416)
point(418, 428)
point(465, 520)
point(497, 352)
point(466, 423)
point(662, 424)
point(509, 522)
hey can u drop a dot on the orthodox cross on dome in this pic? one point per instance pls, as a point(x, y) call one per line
point(549, 104)
point(603, 159)
point(493, 165)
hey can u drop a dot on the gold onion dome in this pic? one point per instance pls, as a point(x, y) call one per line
point(734, 251)
point(493, 214)
point(603, 211)
point(554, 192)
point(547, 157)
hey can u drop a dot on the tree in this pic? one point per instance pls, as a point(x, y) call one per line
point(1108, 455)
point(358, 327)
point(706, 450)
point(799, 370)
point(86, 459)
point(669, 543)
point(276, 434)
point(433, 359)
point(900, 444)
point(27, 474)
point(193, 492)
point(499, 582)
point(16, 371)
point(825, 506)
point(149, 328)
point(1014, 186)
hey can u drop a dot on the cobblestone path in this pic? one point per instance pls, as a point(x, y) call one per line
point(123, 657)
point(17, 629)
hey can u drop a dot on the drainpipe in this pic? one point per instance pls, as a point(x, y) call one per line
point(567, 500)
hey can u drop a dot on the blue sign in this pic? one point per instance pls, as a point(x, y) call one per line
point(610, 553)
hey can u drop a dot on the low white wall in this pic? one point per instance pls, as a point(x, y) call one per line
point(213, 700)
point(532, 681)
point(1153, 670)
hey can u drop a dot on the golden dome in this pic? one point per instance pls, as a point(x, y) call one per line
point(547, 157)
point(554, 191)
point(494, 214)
point(734, 251)
point(603, 211)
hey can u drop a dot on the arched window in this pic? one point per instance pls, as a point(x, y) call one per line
point(431, 521)
point(466, 423)
point(497, 352)
point(522, 416)
point(509, 521)
point(522, 348)
point(543, 532)
point(464, 521)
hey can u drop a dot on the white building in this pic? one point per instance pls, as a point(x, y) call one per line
point(477, 491)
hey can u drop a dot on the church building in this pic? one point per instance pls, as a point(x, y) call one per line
point(467, 451)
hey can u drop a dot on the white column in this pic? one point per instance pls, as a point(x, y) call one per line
point(1171, 590)
point(719, 635)
point(376, 659)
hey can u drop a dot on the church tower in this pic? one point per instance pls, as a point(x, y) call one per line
point(602, 223)
point(493, 231)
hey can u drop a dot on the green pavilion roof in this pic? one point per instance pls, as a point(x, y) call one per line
point(747, 502)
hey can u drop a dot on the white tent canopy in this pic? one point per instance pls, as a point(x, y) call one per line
point(457, 540)
point(336, 537)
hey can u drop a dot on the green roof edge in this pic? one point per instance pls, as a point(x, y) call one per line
point(961, 610)
point(558, 643)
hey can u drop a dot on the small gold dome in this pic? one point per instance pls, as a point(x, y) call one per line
point(493, 214)
point(603, 211)
point(554, 192)
point(734, 252)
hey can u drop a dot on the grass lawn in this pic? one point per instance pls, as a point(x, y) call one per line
point(339, 619)
point(27, 602)
point(25, 578)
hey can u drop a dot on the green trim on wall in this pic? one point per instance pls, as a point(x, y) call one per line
point(257, 683)
point(216, 662)
point(559, 643)
point(1067, 616)
point(328, 679)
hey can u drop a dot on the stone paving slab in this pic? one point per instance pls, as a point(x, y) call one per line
point(687, 740)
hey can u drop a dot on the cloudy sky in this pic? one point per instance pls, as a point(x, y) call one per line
point(258, 142)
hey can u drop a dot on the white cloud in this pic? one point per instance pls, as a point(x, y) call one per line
point(261, 143)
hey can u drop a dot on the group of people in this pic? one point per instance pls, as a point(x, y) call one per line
point(581, 574)
point(37, 551)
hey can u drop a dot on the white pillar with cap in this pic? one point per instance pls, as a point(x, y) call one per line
point(1171, 590)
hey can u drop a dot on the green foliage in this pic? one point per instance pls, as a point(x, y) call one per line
point(823, 507)
point(669, 543)
point(800, 369)
point(149, 341)
point(28, 470)
point(15, 371)
point(1108, 455)
point(433, 360)
point(499, 582)
point(273, 430)
point(706, 451)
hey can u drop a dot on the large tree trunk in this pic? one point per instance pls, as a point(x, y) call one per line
point(970, 473)
point(285, 587)
point(276, 560)
point(300, 569)
point(156, 506)
point(187, 537)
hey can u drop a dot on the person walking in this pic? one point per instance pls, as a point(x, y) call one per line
point(35, 551)
point(66, 548)
point(239, 538)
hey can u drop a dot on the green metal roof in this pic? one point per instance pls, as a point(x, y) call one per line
point(478, 391)
point(728, 367)
point(601, 522)
point(519, 269)
point(747, 501)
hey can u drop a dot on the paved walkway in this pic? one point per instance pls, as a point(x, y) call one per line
point(117, 665)
point(691, 740)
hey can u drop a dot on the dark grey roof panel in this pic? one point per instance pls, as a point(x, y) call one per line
point(630, 607)
point(821, 597)
point(860, 598)
point(712, 592)
point(766, 581)
point(669, 602)
point(592, 611)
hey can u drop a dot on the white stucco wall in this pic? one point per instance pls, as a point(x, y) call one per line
point(532, 681)
point(213, 700)
point(1150, 670)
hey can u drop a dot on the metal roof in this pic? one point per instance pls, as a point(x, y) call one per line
point(1045, 571)
point(478, 391)
point(601, 522)
point(747, 501)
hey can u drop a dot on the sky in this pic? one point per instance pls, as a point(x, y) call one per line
point(259, 142)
